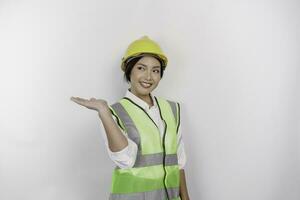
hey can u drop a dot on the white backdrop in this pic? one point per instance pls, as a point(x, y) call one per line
point(233, 65)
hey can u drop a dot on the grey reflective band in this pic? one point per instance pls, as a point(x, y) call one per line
point(151, 195)
point(171, 159)
point(174, 109)
point(117, 118)
point(154, 159)
point(128, 123)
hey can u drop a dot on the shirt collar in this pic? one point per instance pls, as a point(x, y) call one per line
point(139, 101)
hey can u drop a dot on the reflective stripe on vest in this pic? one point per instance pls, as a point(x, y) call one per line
point(154, 159)
point(155, 174)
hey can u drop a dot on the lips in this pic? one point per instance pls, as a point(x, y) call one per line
point(145, 84)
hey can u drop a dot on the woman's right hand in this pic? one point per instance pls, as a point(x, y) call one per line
point(92, 103)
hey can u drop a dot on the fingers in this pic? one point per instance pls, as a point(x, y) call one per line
point(91, 103)
point(82, 99)
point(84, 102)
point(74, 99)
point(79, 100)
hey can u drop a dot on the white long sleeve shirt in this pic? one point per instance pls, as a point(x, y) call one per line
point(125, 158)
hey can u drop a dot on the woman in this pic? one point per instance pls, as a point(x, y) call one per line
point(143, 134)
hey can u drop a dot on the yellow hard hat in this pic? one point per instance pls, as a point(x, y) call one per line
point(142, 46)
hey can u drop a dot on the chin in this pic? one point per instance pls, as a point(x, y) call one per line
point(145, 91)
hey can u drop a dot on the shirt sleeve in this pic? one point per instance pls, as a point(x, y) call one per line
point(124, 158)
point(180, 149)
point(181, 155)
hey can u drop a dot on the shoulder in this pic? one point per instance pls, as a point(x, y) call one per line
point(116, 103)
point(115, 107)
point(169, 100)
point(174, 107)
point(173, 104)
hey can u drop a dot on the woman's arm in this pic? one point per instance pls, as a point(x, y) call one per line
point(115, 138)
point(183, 192)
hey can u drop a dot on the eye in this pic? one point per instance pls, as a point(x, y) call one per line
point(156, 70)
point(140, 68)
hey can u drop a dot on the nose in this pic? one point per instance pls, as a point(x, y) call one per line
point(148, 75)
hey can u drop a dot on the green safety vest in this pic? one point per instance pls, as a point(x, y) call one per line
point(155, 174)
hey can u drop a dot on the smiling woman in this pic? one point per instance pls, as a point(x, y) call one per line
point(143, 134)
point(144, 77)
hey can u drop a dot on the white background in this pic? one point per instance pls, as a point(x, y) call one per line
point(233, 66)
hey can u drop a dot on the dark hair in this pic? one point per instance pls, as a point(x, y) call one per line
point(129, 65)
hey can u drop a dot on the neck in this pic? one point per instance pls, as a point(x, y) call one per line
point(146, 98)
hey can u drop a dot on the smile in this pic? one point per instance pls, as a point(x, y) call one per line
point(145, 85)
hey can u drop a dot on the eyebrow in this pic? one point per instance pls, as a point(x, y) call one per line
point(147, 66)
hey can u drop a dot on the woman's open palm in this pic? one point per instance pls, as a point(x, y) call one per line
point(92, 103)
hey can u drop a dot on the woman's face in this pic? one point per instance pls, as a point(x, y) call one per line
point(145, 76)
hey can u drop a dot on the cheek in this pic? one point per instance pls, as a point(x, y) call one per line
point(133, 75)
point(135, 78)
point(157, 77)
